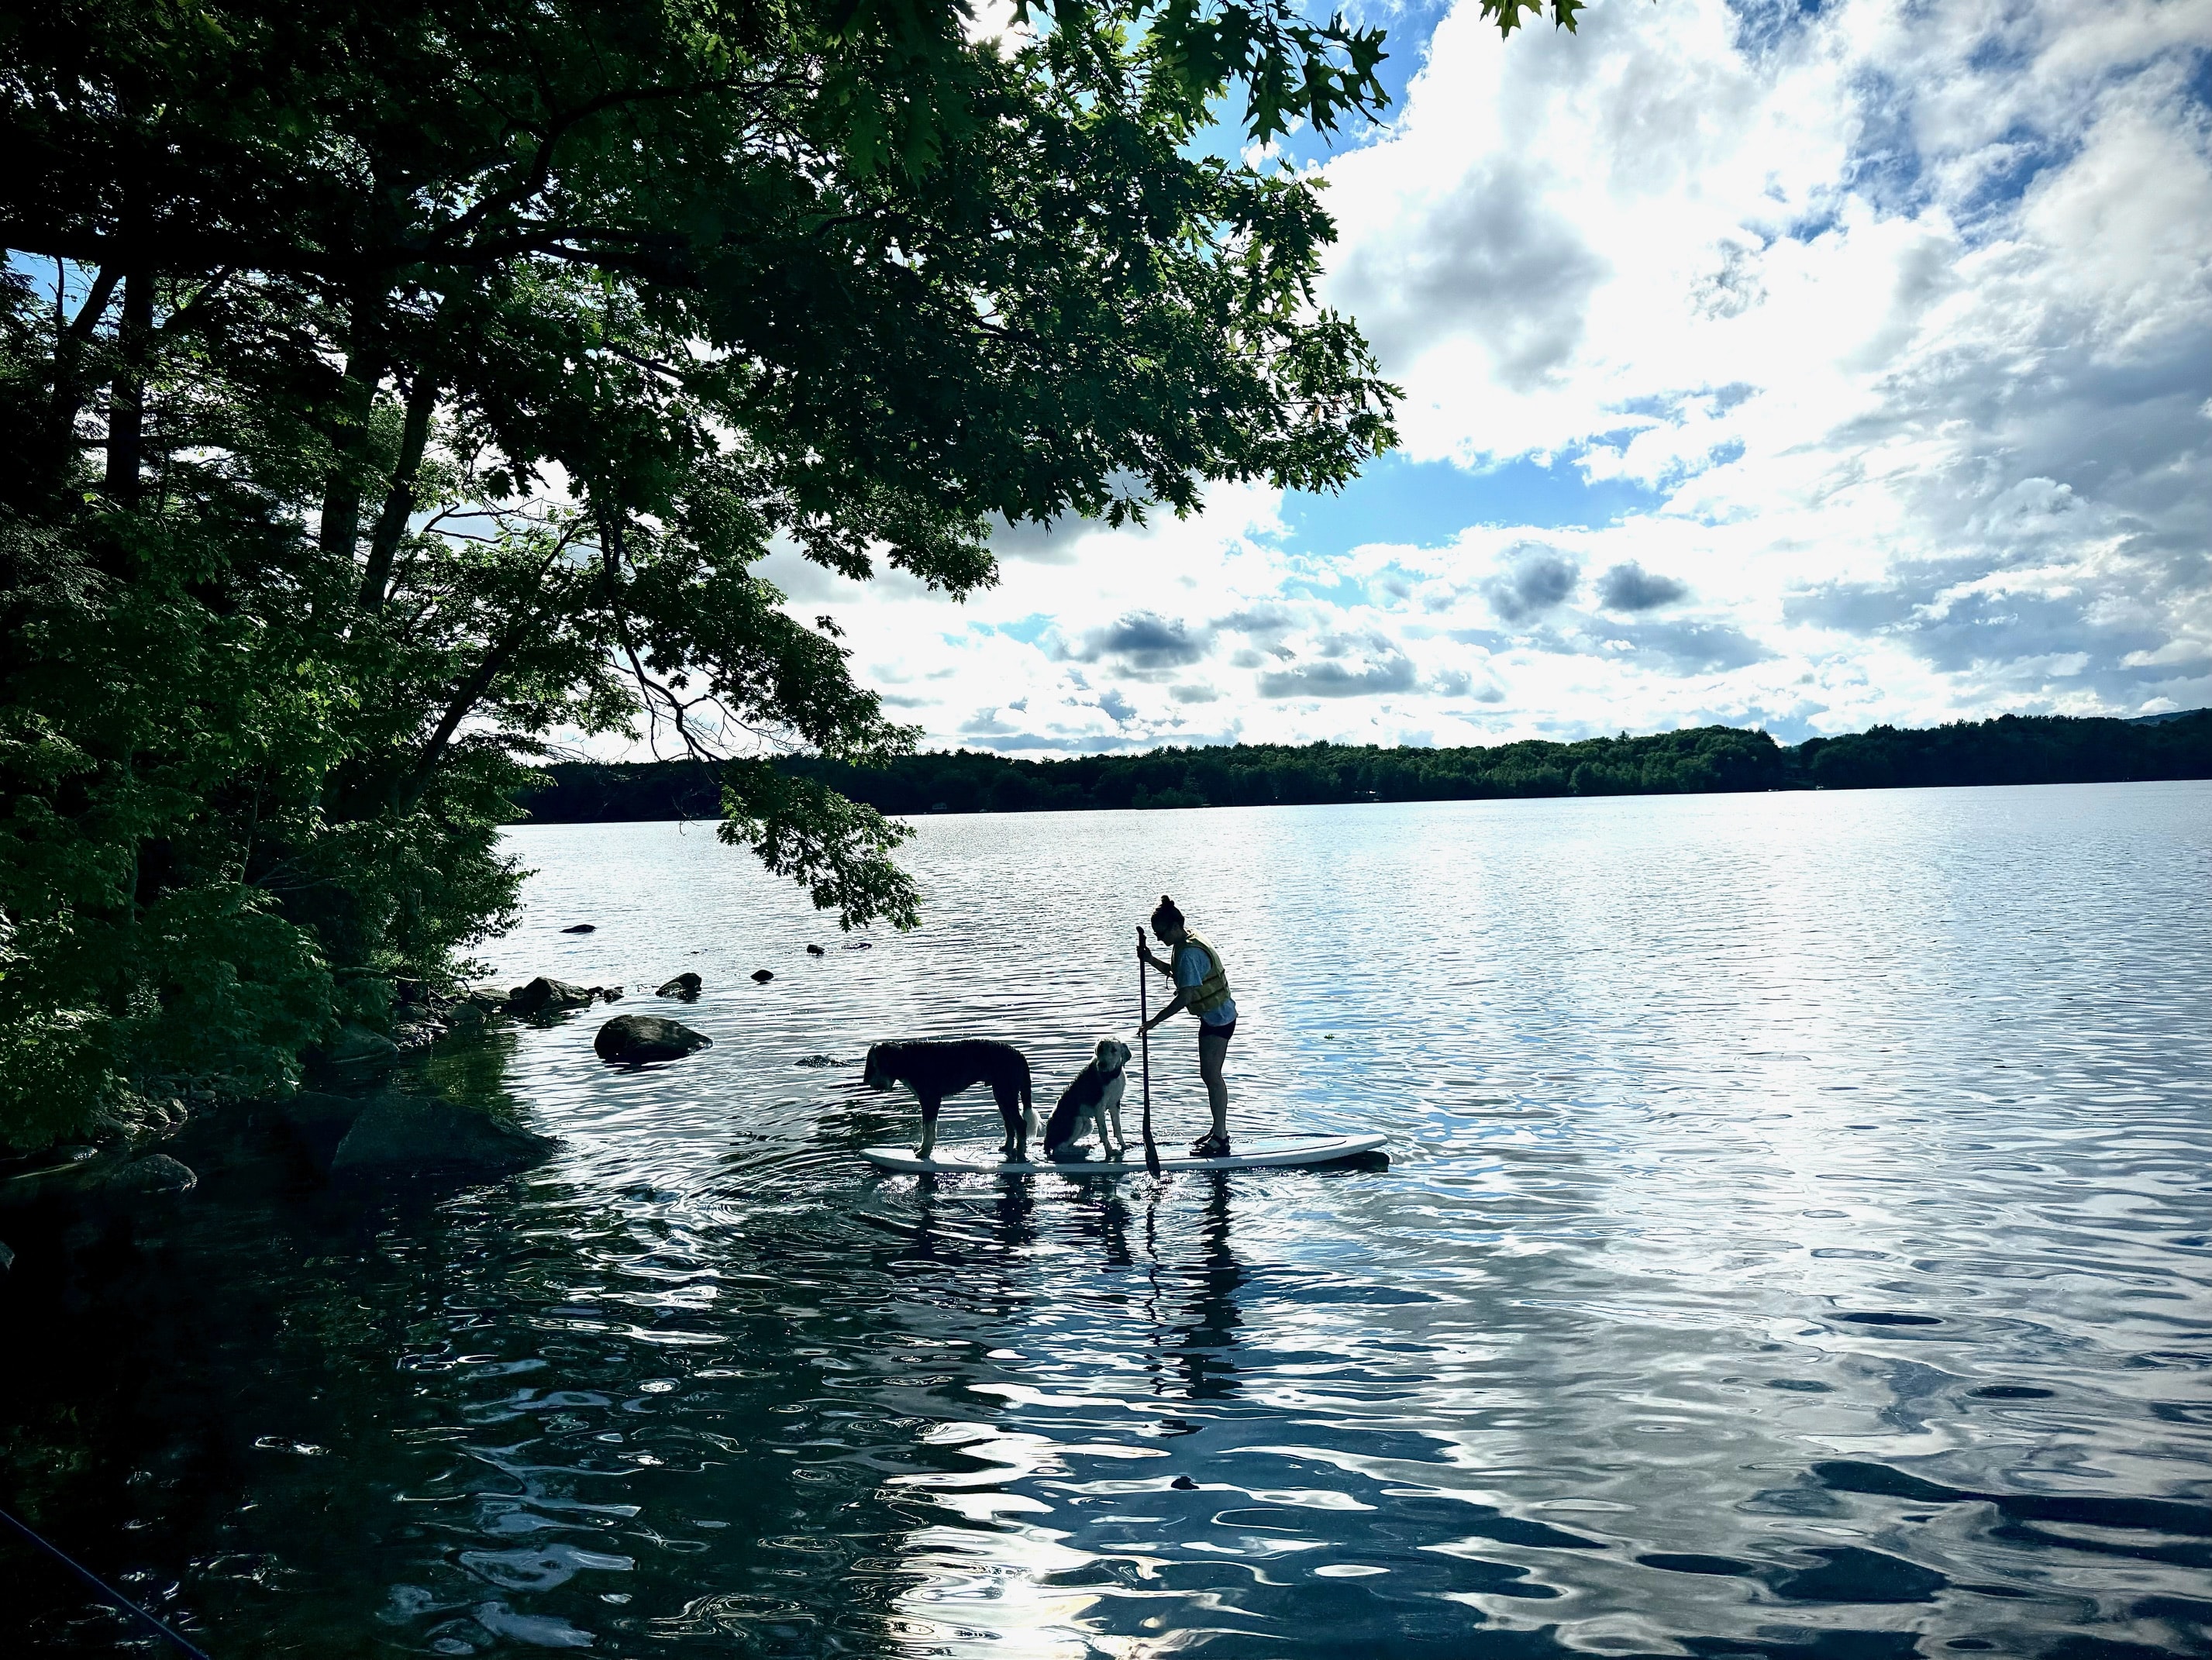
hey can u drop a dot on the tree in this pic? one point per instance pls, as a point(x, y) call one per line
point(415, 378)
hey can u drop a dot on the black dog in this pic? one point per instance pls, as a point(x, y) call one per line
point(934, 1071)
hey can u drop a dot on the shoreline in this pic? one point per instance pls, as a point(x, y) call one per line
point(1700, 761)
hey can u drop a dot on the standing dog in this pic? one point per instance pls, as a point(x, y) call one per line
point(934, 1071)
point(1095, 1099)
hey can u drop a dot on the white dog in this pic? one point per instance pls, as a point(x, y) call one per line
point(1093, 1100)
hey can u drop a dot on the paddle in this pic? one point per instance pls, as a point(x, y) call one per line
point(1144, 1043)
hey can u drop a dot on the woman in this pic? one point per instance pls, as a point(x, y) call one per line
point(1202, 986)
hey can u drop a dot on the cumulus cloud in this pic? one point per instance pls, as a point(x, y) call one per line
point(1537, 579)
point(1629, 586)
point(1344, 665)
point(1485, 259)
point(1143, 642)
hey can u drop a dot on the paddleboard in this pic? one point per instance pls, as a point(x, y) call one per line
point(1258, 1153)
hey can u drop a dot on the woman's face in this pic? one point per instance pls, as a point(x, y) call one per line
point(1168, 933)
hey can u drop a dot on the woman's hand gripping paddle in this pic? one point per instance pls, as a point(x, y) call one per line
point(1144, 1043)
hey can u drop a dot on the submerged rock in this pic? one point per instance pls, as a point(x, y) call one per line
point(156, 1173)
point(761, 976)
point(819, 1061)
point(581, 927)
point(683, 985)
point(413, 1135)
point(545, 996)
point(355, 1052)
point(816, 951)
point(633, 1039)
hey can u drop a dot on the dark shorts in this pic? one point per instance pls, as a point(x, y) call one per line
point(1224, 1033)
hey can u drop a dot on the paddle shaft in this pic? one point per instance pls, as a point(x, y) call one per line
point(1145, 1044)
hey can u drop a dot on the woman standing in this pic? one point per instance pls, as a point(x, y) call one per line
point(1202, 986)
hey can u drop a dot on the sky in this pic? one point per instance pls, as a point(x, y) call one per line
point(1799, 367)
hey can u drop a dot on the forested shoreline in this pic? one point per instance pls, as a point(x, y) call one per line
point(2009, 750)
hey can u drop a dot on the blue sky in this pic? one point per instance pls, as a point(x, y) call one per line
point(1799, 367)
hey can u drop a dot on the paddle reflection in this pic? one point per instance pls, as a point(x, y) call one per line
point(1196, 1317)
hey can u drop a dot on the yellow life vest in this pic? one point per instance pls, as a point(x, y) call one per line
point(1211, 993)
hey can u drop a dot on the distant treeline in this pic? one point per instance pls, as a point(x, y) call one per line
point(2010, 749)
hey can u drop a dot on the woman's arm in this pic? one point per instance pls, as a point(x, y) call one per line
point(1175, 1006)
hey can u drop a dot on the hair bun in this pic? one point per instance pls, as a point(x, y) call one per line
point(1164, 900)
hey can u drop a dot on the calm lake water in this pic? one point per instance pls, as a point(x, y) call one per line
point(1794, 1243)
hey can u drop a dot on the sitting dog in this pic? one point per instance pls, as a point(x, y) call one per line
point(935, 1070)
point(1094, 1099)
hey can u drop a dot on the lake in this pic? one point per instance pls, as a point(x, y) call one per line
point(1794, 1242)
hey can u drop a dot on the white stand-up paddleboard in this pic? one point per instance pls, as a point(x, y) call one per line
point(1258, 1153)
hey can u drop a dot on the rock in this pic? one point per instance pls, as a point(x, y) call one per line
point(156, 1173)
point(581, 927)
point(816, 951)
point(7, 1257)
point(468, 1013)
point(418, 1034)
point(859, 945)
point(683, 985)
point(356, 1052)
point(633, 1039)
point(545, 996)
point(317, 1121)
point(415, 1134)
point(818, 1060)
point(761, 976)
point(609, 994)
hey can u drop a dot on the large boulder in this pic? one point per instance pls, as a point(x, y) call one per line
point(413, 1135)
point(545, 996)
point(685, 985)
point(315, 1120)
point(633, 1039)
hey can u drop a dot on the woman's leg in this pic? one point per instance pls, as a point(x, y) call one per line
point(1212, 1051)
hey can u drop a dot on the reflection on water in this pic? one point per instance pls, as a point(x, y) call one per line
point(1794, 1242)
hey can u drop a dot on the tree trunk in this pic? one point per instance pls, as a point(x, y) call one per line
point(464, 698)
point(70, 338)
point(399, 500)
point(340, 531)
point(126, 399)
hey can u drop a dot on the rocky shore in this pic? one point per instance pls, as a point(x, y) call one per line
point(364, 1119)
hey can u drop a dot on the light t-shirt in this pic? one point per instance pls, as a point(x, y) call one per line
point(1190, 969)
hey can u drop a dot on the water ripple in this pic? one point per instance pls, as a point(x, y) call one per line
point(1795, 1240)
